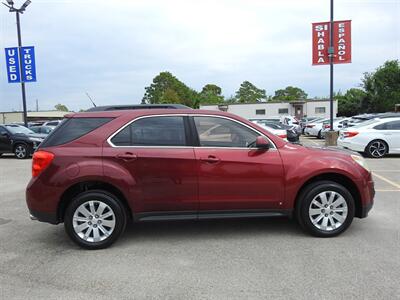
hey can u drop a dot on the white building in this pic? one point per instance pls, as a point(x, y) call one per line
point(300, 109)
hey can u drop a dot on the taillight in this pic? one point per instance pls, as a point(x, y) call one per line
point(327, 126)
point(349, 134)
point(40, 161)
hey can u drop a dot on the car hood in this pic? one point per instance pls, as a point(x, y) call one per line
point(330, 151)
point(31, 135)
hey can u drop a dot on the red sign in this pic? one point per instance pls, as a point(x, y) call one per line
point(341, 42)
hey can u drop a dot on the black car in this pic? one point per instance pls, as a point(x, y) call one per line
point(19, 140)
point(292, 134)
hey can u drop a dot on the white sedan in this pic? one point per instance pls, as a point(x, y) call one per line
point(376, 137)
point(315, 128)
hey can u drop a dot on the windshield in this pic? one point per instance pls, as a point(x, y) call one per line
point(14, 129)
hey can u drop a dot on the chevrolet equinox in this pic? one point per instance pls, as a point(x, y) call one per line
point(99, 170)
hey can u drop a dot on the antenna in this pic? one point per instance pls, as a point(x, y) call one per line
point(90, 98)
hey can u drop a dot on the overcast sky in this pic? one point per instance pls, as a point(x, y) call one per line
point(113, 49)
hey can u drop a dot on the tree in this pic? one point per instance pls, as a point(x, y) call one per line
point(290, 93)
point(249, 93)
point(61, 107)
point(382, 88)
point(211, 94)
point(349, 104)
point(166, 88)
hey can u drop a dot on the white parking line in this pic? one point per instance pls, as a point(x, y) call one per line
point(387, 180)
point(379, 190)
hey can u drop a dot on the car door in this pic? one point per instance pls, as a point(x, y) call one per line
point(231, 175)
point(5, 141)
point(392, 134)
point(155, 150)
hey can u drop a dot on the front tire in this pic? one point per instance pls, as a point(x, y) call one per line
point(325, 209)
point(376, 149)
point(95, 219)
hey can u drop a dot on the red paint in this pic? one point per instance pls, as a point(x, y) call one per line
point(341, 42)
point(188, 178)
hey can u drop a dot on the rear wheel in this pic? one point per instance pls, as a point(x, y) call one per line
point(325, 209)
point(376, 149)
point(319, 136)
point(21, 151)
point(95, 219)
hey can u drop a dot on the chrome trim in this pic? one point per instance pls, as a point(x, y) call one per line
point(178, 147)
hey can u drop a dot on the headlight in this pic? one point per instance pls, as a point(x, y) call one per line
point(37, 140)
point(361, 161)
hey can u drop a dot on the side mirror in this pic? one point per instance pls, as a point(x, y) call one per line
point(262, 143)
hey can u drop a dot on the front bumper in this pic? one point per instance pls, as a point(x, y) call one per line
point(43, 217)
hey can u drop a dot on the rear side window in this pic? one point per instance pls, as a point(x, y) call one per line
point(72, 129)
point(394, 125)
point(153, 131)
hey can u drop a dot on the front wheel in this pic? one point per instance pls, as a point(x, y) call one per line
point(95, 219)
point(325, 209)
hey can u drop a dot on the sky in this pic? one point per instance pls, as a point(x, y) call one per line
point(113, 49)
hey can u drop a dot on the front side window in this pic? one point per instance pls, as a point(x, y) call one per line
point(153, 131)
point(219, 132)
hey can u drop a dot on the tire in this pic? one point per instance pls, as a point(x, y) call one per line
point(319, 136)
point(327, 222)
point(376, 149)
point(21, 151)
point(83, 231)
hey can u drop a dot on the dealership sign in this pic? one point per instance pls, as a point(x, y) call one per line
point(341, 42)
point(24, 72)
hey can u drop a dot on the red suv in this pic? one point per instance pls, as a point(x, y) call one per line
point(99, 170)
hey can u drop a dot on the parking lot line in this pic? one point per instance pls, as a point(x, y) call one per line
point(386, 180)
point(379, 190)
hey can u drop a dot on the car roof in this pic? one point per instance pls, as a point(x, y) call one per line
point(148, 112)
point(137, 106)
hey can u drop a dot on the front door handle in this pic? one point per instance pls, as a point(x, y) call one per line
point(127, 156)
point(210, 159)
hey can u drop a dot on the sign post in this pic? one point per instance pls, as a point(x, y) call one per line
point(331, 45)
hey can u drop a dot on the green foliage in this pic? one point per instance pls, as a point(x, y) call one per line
point(166, 88)
point(382, 88)
point(249, 93)
point(211, 94)
point(349, 104)
point(61, 107)
point(290, 93)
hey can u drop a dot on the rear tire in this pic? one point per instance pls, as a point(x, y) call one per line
point(95, 219)
point(377, 149)
point(319, 136)
point(325, 209)
point(21, 151)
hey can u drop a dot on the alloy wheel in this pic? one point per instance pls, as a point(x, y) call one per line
point(377, 149)
point(94, 221)
point(328, 211)
point(20, 151)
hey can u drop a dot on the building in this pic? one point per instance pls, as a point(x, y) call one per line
point(18, 116)
point(300, 109)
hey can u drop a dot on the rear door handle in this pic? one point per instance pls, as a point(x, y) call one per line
point(127, 156)
point(210, 159)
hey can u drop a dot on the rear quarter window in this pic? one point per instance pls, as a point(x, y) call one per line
point(72, 129)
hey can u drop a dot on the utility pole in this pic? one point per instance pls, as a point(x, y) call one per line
point(21, 10)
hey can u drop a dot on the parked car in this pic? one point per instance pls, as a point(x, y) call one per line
point(338, 124)
point(53, 123)
point(289, 131)
point(275, 128)
point(99, 170)
point(375, 138)
point(19, 140)
point(42, 129)
point(291, 121)
point(315, 128)
point(304, 121)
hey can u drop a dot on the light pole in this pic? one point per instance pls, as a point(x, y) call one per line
point(19, 11)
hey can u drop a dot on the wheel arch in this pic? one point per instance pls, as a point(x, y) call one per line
point(84, 186)
point(340, 179)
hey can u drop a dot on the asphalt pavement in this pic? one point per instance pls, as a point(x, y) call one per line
point(234, 259)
